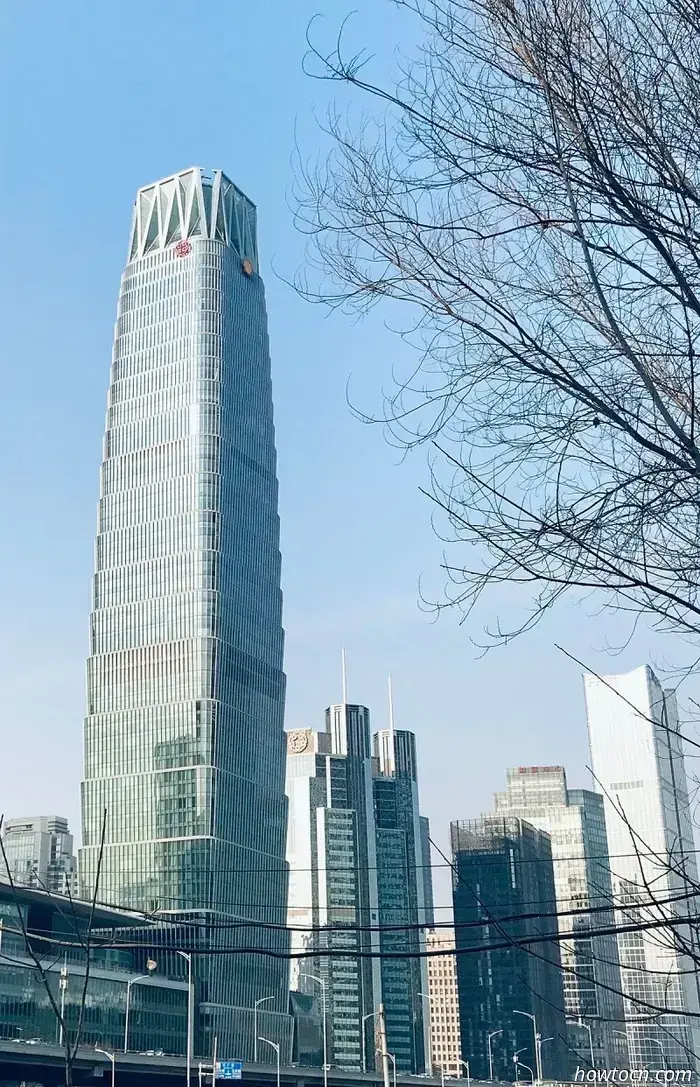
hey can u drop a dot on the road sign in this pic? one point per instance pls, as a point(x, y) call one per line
point(229, 1069)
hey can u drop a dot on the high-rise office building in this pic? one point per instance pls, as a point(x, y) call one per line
point(427, 871)
point(445, 1043)
point(331, 851)
point(184, 745)
point(511, 996)
point(575, 822)
point(39, 851)
point(639, 768)
point(355, 851)
point(405, 901)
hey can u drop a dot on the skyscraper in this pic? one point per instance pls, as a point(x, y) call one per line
point(39, 851)
point(404, 903)
point(508, 992)
point(331, 849)
point(184, 745)
point(575, 822)
point(639, 767)
point(355, 850)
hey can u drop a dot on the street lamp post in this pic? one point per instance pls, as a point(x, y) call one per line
point(132, 981)
point(469, 1077)
point(63, 985)
point(429, 1060)
point(322, 983)
point(538, 1054)
point(262, 1000)
point(275, 1046)
point(111, 1058)
point(392, 1058)
point(188, 958)
point(489, 1051)
point(527, 1067)
point(580, 1023)
point(370, 1015)
point(658, 1043)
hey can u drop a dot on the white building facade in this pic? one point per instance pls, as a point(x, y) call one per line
point(638, 765)
point(39, 851)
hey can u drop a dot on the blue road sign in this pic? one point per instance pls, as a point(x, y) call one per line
point(229, 1069)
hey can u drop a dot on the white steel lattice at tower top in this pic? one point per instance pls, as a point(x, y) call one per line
point(189, 205)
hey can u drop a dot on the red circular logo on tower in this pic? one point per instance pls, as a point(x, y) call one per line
point(183, 248)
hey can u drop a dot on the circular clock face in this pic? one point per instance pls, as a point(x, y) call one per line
point(247, 267)
point(298, 741)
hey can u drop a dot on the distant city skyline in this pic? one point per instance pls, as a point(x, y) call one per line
point(347, 503)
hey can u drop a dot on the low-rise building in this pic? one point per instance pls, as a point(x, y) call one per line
point(445, 1051)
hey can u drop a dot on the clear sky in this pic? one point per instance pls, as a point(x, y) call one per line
point(100, 98)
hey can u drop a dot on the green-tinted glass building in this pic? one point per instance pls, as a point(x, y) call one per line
point(184, 746)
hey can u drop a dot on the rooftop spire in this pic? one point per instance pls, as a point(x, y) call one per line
point(344, 658)
point(392, 750)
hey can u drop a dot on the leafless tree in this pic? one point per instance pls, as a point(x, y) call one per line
point(528, 191)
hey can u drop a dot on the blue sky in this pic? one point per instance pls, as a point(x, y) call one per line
point(101, 98)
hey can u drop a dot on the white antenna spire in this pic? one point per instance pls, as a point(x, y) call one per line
point(392, 749)
point(345, 675)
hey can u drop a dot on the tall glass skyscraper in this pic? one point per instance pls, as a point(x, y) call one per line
point(184, 745)
point(639, 767)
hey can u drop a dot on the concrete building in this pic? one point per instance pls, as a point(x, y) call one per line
point(445, 1042)
point(574, 819)
point(639, 768)
point(39, 851)
point(511, 996)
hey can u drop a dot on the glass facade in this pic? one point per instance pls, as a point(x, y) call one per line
point(331, 848)
point(157, 1008)
point(575, 822)
point(502, 867)
point(403, 897)
point(639, 767)
point(184, 746)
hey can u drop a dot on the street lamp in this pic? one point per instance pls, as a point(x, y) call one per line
point(466, 1065)
point(658, 1043)
point(429, 1061)
point(538, 1055)
point(63, 985)
point(517, 1064)
point(392, 1058)
point(111, 1058)
point(276, 1048)
point(255, 1022)
point(132, 981)
point(322, 983)
point(580, 1023)
point(489, 1051)
point(188, 958)
point(370, 1015)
